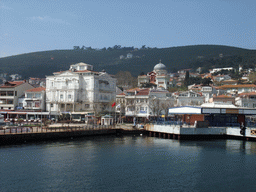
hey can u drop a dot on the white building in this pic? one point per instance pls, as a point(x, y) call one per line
point(158, 76)
point(10, 92)
point(220, 69)
point(143, 103)
point(35, 99)
point(80, 89)
point(189, 98)
point(246, 100)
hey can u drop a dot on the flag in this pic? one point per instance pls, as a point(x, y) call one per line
point(113, 105)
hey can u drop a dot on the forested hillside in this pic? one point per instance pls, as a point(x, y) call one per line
point(40, 64)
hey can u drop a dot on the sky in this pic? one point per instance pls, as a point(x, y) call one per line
point(40, 25)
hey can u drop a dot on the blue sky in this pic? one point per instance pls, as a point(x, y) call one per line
point(39, 25)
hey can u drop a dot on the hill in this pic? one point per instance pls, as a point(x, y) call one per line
point(40, 64)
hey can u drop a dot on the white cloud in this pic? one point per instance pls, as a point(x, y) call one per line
point(49, 19)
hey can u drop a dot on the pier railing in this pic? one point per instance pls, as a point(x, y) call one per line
point(38, 129)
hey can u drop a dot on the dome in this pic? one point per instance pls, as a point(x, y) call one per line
point(160, 66)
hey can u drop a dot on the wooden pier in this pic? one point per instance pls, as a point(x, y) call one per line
point(16, 135)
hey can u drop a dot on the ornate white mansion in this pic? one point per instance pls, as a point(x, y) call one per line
point(79, 89)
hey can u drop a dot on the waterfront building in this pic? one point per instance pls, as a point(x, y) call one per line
point(246, 100)
point(10, 92)
point(189, 98)
point(80, 90)
point(223, 99)
point(35, 99)
point(157, 77)
point(144, 103)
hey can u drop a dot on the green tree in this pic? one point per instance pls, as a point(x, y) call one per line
point(186, 80)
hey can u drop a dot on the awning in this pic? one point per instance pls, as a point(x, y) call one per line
point(185, 110)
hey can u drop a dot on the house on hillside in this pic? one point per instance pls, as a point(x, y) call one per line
point(129, 55)
point(237, 89)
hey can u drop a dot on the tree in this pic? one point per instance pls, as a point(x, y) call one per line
point(207, 81)
point(125, 79)
point(154, 106)
point(143, 47)
point(167, 103)
point(76, 47)
point(252, 77)
point(186, 80)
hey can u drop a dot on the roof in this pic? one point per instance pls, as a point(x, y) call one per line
point(218, 105)
point(38, 89)
point(247, 94)
point(237, 86)
point(223, 96)
point(185, 110)
point(160, 66)
point(9, 84)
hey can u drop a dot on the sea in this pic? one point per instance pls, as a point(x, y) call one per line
point(129, 163)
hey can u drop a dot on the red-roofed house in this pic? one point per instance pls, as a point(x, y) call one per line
point(244, 88)
point(10, 92)
point(35, 99)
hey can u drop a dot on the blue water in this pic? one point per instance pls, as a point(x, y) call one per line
point(129, 164)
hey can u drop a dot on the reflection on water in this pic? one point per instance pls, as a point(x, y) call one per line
point(128, 164)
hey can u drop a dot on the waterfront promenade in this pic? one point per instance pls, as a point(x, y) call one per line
point(21, 134)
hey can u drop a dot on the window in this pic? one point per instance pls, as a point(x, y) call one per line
point(62, 105)
point(61, 96)
point(29, 95)
point(246, 105)
point(37, 104)
point(51, 105)
point(29, 104)
point(87, 106)
point(10, 93)
point(38, 95)
point(254, 105)
point(69, 96)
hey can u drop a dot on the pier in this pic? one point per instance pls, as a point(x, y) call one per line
point(192, 132)
point(19, 134)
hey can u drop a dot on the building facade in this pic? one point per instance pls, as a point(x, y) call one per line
point(158, 77)
point(10, 92)
point(35, 99)
point(80, 89)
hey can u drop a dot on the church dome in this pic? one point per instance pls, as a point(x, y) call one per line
point(159, 66)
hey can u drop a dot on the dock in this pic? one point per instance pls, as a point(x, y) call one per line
point(192, 132)
point(17, 135)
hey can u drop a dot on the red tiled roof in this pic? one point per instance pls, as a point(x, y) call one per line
point(12, 84)
point(236, 86)
point(38, 89)
point(223, 96)
point(247, 94)
point(133, 90)
point(143, 92)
